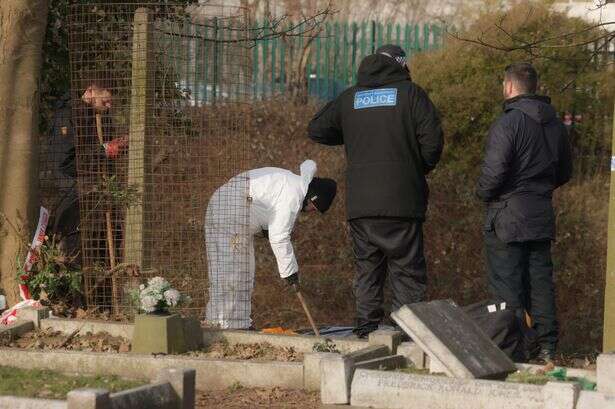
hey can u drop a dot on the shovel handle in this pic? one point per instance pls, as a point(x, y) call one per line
point(307, 311)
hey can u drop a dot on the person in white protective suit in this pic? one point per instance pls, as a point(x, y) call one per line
point(266, 200)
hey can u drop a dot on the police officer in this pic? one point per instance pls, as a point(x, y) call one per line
point(527, 157)
point(62, 160)
point(393, 139)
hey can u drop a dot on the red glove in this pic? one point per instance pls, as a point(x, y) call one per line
point(113, 148)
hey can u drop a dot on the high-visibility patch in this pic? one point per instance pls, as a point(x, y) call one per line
point(384, 97)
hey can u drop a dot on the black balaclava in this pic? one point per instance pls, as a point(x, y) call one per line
point(321, 193)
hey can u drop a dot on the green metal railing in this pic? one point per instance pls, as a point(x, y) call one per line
point(333, 56)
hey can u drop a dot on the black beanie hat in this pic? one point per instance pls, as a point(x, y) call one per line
point(321, 192)
point(394, 51)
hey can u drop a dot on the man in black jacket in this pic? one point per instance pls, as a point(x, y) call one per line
point(61, 157)
point(527, 157)
point(392, 135)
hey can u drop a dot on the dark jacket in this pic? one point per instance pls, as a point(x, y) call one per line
point(61, 149)
point(526, 158)
point(68, 131)
point(392, 135)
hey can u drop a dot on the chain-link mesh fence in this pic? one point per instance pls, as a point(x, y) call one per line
point(152, 127)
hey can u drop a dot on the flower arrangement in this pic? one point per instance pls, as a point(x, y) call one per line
point(158, 296)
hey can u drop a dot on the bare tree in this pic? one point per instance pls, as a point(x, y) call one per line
point(22, 29)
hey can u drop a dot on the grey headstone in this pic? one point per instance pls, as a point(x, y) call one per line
point(447, 334)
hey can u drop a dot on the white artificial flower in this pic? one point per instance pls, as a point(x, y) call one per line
point(172, 297)
point(148, 303)
point(142, 287)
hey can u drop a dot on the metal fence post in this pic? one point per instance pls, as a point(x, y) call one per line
point(609, 290)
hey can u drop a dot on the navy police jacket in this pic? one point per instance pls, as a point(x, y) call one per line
point(392, 136)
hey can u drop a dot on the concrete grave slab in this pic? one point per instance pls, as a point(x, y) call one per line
point(560, 395)
point(595, 400)
point(384, 363)
point(413, 354)
point(395, 390)
point(446, 333)
point(389, 338)
point(605, 370)
point(88, 398)
point(36, 315)
point(183, 383)
point(336, 373)
point(211, 374)
point(311, 369)
point(15, 329)
point(17, 402)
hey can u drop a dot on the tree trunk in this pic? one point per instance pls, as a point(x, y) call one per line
point(22, 29)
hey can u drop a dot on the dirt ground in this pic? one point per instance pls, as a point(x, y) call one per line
point(238, 397)
point(47, 339)
point(256, 352)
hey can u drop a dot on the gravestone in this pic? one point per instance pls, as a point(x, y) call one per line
point(447, 334)
point(397, 390)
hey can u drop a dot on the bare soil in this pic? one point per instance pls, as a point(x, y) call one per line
point(239, 397)
point(48, 339)
point(256, 352)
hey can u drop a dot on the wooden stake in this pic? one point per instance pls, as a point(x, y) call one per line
point(109, 222)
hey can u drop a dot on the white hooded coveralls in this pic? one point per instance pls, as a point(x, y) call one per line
point(274, 198)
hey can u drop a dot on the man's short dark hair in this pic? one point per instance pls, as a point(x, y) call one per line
point(524, 76)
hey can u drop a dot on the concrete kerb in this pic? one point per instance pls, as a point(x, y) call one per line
point(211, 374)
point(18, 402)
point(605, 370)
point(560, 395)
point(389, 338)
point(36, 315)
point(15, 329)
point(396, 390)
point(311, 369)
point(413, 354)
point(595, 400)
point(336, 373)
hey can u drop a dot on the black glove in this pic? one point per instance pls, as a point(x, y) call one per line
point(293, 280)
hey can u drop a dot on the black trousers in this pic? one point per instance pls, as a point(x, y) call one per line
point(386, 247)
point(66, 223)
point(521, 274)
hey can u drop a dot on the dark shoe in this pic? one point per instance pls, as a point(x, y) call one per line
point(544, 357)
point(363, 332)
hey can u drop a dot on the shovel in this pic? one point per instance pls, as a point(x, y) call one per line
point(306, 309)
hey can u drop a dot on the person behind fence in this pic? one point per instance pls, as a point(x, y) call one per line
point(266, 200)
point(393, 139)
point(61, 158)
point(527, 157)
